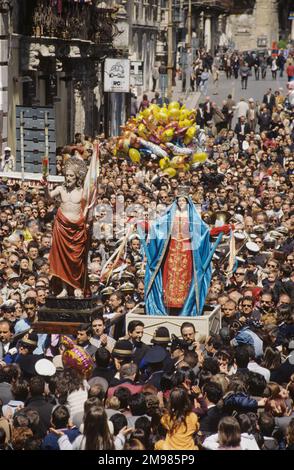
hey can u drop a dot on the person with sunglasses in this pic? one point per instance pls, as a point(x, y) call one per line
point(246, 309)
point(265, 306)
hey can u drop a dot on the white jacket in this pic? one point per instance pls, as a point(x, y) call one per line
point(248, 442)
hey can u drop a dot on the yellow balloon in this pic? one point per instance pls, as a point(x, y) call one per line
point(187, 122)
point(134, 155)
point(163, 116)
point(154, 107)
point(184, 113)
point(142, 130)
point(187, 140)
point(164, 163)
point(171, 172)
point(174, 162)
point(191, 132)
point(126, 145)
point(146, 113)
point(173, 114)
point(167, 135)
point(199, 157)
point(174, 105)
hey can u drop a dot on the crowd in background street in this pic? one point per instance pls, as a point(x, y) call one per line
point(233, 390)
point(236, 65)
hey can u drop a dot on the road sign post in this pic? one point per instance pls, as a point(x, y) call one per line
point(117, 75)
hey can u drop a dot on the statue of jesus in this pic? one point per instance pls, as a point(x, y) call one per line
point(68, 255)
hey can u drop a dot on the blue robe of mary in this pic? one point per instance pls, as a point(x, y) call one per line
point(156, 249)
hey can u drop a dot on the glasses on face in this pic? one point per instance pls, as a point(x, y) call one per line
point(265, 302)
point(272, 266)
point(247, 305)
point(240, 274)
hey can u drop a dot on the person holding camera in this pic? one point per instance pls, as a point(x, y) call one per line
point(188, 333)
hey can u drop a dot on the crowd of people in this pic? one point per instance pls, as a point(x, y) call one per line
point(233, 390)
point(234, 65)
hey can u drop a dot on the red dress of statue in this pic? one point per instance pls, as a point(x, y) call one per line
point(178, 265)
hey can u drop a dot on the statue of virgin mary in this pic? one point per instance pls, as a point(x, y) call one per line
point(177, 273)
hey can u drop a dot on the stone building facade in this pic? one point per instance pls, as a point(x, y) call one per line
point(4, 59)
point(143, 26)
point(253, 25)
point(56, 59)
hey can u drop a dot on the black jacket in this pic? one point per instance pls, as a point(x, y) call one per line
point(106, 373)
point(139, 352)
point(44, 409)
point(209, 422)
point(271, 102)
point(283, 373)
point(238, 130)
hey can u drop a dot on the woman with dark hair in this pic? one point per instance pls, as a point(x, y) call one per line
point(144, 103)
point(180, 422)
point(247, 432)
point(271, 359)
point(96, 434)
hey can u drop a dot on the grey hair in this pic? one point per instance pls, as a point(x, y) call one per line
point(128, 370)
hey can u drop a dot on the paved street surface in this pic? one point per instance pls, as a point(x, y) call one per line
point(255, 89)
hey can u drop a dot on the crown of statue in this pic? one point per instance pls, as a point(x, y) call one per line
point(183, 190)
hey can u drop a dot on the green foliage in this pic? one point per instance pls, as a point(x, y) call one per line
point(282, 44)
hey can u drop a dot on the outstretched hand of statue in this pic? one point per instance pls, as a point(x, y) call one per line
point(44, 181)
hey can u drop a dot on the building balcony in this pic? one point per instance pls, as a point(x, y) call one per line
point(58, 51)
point(68, 20)
point(216, 5)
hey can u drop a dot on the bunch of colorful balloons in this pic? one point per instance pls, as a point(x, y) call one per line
point(167, 136)
point(76, 357)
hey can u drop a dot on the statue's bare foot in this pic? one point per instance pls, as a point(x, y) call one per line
point(78, 293)
point(62, 294)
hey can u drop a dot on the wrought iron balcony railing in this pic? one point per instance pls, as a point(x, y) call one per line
point(74, 20)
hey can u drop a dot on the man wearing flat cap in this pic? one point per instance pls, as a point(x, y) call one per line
point(122, 353)
point(25, 357)
point(160, 342)
point(154, 360)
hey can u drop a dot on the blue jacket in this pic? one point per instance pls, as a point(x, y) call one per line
point(50, 442)
point(240, 402)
